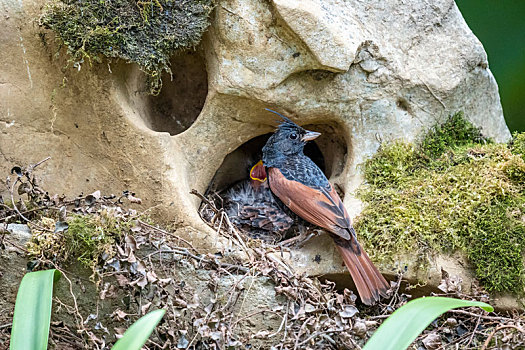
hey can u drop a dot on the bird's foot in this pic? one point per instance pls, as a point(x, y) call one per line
point(288, 242)
point(300, 240)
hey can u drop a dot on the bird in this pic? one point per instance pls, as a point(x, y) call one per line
point(301, 185)
point(251, 205)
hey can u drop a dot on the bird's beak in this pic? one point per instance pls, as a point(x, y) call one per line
point(310, 135)
point(258, 172)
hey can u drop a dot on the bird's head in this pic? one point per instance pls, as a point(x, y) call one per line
point(289, 139)
point(258, 175)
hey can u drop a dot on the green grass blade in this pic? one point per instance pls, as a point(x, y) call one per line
point(139, 332)
point(33, 311)
point(405, 324)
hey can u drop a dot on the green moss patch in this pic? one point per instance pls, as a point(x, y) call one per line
point(517, 145)
point(455, 132)
point(87, 239)
point(455, 191)
point(143, 32)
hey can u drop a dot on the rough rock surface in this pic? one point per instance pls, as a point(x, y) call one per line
point(362, 72)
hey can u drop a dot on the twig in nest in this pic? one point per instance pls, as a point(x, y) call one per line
point(11, 193)
point(283, 323)
point(78, 317)
point(31, 167)
point(473, 332)
point(395, 293)
point(255, 313)
point(17, 246)
point(493, 318)
point(253, 276)
point(205, 200)
point(27, 211)
point(219, 213)
point(6, 325)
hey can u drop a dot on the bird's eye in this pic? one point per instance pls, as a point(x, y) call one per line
point(293, 136)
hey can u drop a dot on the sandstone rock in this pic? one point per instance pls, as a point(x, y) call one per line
point(361, 72)
point(333, 37)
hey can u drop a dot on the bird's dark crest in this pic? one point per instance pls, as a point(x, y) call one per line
point(286, 122)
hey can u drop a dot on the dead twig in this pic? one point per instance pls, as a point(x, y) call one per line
point(142, 223)
point(485, 317)
point(497, 329)
point(6, 325)
point(474, 331)
point(205, 200)
point(201, 259)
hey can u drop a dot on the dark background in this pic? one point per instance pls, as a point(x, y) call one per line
point(500, 26)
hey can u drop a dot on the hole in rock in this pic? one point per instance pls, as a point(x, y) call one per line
point(320, 74)
point(182, 96)
point(328, 152)
point(403, 104)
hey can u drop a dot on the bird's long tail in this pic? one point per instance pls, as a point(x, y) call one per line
point(370, 284)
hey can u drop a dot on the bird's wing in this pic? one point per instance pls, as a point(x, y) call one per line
point(321, 207)
point(266, 216)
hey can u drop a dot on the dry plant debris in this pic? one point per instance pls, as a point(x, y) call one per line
point(212, 300)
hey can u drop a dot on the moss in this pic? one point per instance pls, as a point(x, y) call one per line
point(515, 169)
point(46, 244)
point(87, 239)
point(391, 165)
point(456, 131)
point(449, 195)
point(517, 144)
point(497, 244)
point(144, 32)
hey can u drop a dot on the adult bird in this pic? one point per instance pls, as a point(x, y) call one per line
point(299, 183)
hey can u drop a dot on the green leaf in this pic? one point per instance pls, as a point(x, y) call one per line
point(139, 332)
point(33, 311)
point(405, 324)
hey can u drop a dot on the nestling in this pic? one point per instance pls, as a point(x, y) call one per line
point(251, 205)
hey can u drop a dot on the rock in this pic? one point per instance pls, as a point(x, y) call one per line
point(20, 232)
point(360, 72)
point(333, 37)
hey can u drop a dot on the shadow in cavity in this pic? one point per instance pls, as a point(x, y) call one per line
point(182, 96)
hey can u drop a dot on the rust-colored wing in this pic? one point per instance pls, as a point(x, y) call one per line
point(321, 207)
point(324, 208)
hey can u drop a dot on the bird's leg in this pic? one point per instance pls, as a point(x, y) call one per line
point(305, 234)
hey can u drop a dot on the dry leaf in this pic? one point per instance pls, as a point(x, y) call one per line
point(144, 308)
point(432, 341)
point(122, 280)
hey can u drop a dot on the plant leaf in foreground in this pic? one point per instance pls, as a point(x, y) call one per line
point(33, 311)
point(405, 324)
point(139, 332)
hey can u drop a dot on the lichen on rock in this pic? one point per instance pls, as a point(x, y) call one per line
point(454, 191)
point(144, 32)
